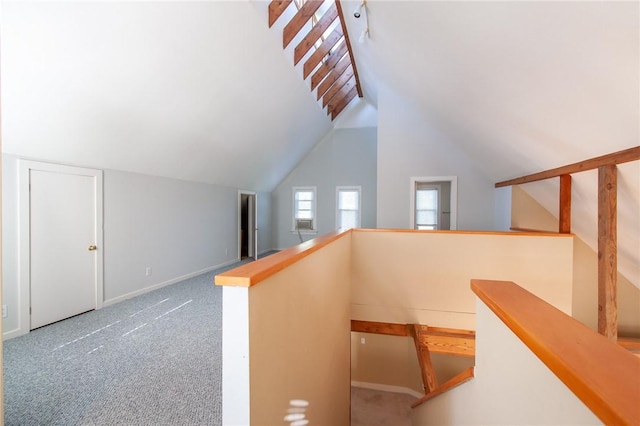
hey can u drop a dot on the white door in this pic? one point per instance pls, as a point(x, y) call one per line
point(63, 240)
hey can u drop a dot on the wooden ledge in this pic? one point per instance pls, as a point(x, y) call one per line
point(252, 273)
point(603, 375)
point(459, 232)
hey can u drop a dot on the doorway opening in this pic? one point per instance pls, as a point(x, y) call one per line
point(248, 227)
point(434, 202)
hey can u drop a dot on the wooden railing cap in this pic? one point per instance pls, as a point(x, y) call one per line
point(603, 375)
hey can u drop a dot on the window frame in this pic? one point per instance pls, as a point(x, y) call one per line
point(294, 209)
point(349, 188)
point(414, 181)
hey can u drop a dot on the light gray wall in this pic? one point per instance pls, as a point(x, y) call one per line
point(344, 157)
point(10, 251)
point(264, 222)
point(178, 228)
point(409, 146)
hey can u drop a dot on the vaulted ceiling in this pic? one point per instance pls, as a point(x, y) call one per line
point(204, 91)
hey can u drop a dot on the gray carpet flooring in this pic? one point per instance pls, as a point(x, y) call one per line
point(377, 408)
point(150, 360)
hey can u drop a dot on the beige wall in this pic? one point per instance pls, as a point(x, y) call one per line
point(426, 275)
point(307, 358)
point(528, 213)
point(426, 280)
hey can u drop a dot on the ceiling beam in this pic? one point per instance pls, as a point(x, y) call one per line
point(297, 22)
point(276, 9)
point(348, 42)
point(322, 51)
point(328, 65)
point(337, 109)
point(346, 76)
point(333, 76)
point(624, 156)
point(310, 39)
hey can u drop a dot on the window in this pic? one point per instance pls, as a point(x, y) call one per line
point(348, 207)
point(304, 209)
point(433, 202)
point(427, 197)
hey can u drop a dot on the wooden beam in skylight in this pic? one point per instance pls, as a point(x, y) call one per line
point(333, 76)
point(348, 43)
point(346, 76)
point(276, 9)
point(328, 65)
point(344, 102)
point(340, 95)
point(299, 20)
point(322, 51)
point(310, 39)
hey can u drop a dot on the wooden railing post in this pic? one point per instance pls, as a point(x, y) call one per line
point(565, 205)
point(607, 252)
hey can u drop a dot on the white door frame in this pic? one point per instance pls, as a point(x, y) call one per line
point(454, 198)
point(24, 233)
point(253, 221)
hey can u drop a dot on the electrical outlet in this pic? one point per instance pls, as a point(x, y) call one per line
point(148, 271)
point(4, 311)
point(226, 252)
point(362, 340)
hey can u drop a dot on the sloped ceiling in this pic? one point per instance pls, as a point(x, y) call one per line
point(526, 85)
point(191, 90)
point(521, 87)
point(203, 90)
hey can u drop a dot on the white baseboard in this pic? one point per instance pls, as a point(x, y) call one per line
point(166, 283)
point(386, 388)
point(13, 333)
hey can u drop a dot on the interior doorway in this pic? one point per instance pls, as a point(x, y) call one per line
point(434, 202)
point(248, 225)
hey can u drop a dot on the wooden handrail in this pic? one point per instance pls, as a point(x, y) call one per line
point(624, 156)
point(603, 375)
point(252, 273)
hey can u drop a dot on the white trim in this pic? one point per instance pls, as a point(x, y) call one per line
point(293, 209)
point(24, 233)
point(386, 388)
point(349, 188)
point(168, 282)
point(453, 224)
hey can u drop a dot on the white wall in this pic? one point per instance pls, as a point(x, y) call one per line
point(178, 228)
point(410, 146)
point(346, 157)
point(511, 387)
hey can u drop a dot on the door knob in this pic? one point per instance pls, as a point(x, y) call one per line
point(92, 247)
